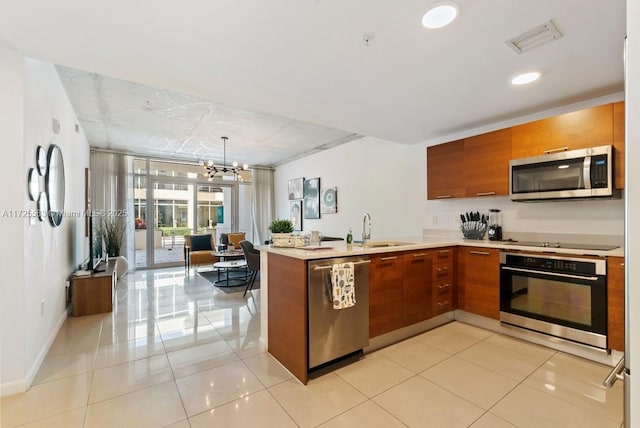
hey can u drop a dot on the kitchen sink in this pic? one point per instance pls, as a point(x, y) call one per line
point(382, 244)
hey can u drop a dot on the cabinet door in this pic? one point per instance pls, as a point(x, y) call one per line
point(618, 144)
point(615, 303)
point(486, 163)
point(417, 287)
point(576, 130)
point(386, 296)
point(444, 177)
point(479, 281)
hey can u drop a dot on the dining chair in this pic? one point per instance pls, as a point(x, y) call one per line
point(252, 256)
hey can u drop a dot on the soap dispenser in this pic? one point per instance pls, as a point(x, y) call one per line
point(349, 238)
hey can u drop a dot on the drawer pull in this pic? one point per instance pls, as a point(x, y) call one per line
point(420, 255)
point(444, 286)
point(444, 251)
point(480, 253)
point(445, 303)
point(388, 258)
point(444, 196)
point(559, 149)
point(440, 269)
point(485, 193)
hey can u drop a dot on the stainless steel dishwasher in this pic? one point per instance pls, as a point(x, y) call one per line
point(334, 333)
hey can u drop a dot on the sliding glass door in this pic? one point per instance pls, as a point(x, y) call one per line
point(172, 201)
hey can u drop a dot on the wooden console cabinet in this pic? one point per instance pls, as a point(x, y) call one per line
point(93, 294)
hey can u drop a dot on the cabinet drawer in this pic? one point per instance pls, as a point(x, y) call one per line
point(442, 272)
point(443, 255)
point(442, 298)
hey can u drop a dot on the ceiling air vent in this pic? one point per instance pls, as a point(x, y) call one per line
point(535, 37)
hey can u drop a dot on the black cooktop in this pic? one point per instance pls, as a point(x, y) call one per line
point(570, 246)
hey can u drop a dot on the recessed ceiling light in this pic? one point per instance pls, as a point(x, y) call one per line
point(440, 15)
point(525, 78)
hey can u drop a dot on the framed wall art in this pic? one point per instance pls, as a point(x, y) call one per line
point(329, 200)
point(296, 188)
point(311, 198)
point(295, 214)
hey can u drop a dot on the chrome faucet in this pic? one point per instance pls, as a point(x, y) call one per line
point(366, 235)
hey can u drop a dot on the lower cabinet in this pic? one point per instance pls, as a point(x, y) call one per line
point(386, 294)
point(479, 281)
point(416, 285)
point(615, 303)
point(444, 279)
point(409, 287)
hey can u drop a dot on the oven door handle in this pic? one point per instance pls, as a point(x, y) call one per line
point(564, 275)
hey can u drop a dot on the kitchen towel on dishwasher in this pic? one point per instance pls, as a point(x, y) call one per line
point(343, 285)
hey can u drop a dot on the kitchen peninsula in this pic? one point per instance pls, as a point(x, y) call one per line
point(419, 282)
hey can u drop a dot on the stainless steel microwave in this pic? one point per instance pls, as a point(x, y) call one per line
point(583, 173)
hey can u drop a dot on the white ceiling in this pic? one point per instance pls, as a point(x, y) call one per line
point(306, 60)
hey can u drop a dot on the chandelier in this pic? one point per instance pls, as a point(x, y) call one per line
point(213, 169)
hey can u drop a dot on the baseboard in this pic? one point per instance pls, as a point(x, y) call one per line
point(22, 385)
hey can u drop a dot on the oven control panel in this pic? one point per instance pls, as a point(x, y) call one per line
point(551, 264)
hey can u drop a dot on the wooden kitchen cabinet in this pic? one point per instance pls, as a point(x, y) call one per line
point(615, 303)
point(287, 313)
point(386, 293)
point(444, 176)
point(444, 280)
point(486, 164)
point(580, 129)
point(618, 144)
point(479, 281)
point(417, 286)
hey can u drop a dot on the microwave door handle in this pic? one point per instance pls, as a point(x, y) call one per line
point(586, 172)
point(563, 275)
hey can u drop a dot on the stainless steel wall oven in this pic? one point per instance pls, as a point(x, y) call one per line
point(565, 297)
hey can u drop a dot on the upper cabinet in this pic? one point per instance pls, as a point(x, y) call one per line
point(580, 129)
point(486, 164)
point(618, 144)
point(444, 176)
point(479, 165)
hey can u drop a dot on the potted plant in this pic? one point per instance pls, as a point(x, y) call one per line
point(112, 229)
point(113, 235)
point(281, 234)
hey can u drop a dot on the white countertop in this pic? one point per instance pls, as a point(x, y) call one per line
point(331, 249)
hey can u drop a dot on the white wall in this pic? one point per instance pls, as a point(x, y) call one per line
point(633, 205)
point(48, 254)
point(371, 176)
point(13, 176)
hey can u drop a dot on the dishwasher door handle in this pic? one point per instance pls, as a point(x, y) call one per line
point(330, 266)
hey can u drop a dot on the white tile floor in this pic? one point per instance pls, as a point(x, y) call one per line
point(177, 352)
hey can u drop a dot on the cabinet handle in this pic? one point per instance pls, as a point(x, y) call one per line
point(446, 302)
point(440, 269)
point(622, 264)
point(388, 258)
point(480, 253)
point(559, 149)
point(444, 251)
point(421, 255)
point(444, 286)
point(485, 194)
point(444, 196)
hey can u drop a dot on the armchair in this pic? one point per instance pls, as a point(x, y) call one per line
point(198, 250)
point(234, 239)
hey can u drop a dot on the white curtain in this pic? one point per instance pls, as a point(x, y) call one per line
point(262, 203)
point(112, 192)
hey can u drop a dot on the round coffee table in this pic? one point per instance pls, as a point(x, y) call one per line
point(227, 268)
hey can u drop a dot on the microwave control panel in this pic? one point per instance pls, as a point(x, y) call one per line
point(599, 171)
